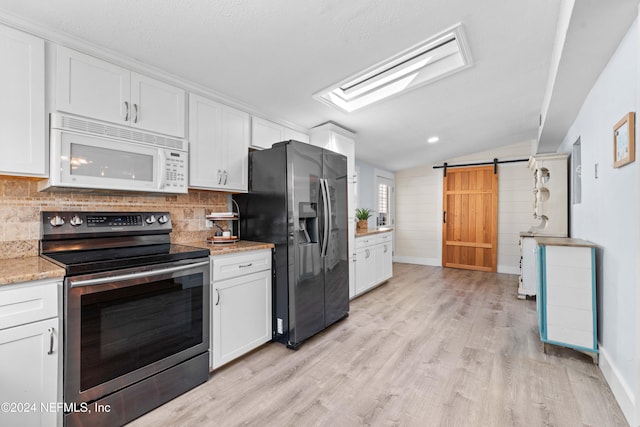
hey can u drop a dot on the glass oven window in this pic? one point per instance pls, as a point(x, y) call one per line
point(128, 328)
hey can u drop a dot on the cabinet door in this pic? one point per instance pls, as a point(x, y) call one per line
point(365, 269)
point(265, 133)
point(90, 87)
point(386, 261)
point(29, 373)
point(241, 319)
point(295, 135)
point(235, 137)
point(22, 133)
point(206, 153)
point(157, 106)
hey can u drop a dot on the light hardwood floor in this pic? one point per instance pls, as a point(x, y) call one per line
point(431, 347)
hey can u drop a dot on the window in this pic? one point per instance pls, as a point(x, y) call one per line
point(384, 207)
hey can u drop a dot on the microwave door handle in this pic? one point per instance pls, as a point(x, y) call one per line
point(138, 275)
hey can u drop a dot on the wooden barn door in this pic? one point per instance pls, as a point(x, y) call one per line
point(470, 218)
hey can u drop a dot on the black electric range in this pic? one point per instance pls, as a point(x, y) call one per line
point(91, 242)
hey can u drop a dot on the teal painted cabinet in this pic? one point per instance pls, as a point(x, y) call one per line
point(566, 300)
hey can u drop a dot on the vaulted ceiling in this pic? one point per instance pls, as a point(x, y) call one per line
point(271, 56)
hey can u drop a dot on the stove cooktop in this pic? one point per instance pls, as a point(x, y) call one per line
point(97, 260)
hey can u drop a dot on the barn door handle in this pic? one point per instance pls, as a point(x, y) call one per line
point(444, 216)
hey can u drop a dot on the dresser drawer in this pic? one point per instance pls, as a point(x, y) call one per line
point(239, 264)
point(25, 303)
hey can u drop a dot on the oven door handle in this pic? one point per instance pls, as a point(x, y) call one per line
point(131, 276)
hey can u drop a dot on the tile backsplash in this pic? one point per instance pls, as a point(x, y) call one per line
point(21, 204)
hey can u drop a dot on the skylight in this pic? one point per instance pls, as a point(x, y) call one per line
point(435, 58)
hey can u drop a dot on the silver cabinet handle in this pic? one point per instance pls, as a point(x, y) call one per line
point(135, 107)
point(126, 111)
point(51, 331)
point(385, 249)
point(368, 253)
point(219, 176)
point(225, 177)
point(245, 265)
point(218, 293)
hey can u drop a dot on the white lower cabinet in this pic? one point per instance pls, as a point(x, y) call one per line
point(30, 346)
point(241, 304)
point(374, 261)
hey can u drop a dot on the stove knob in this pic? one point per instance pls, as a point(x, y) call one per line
point(163, 219)
point(75, 221)
point(56, 221)
point(150, 219)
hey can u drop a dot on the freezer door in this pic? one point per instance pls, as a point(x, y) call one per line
point(306, 273)
point(336, 254)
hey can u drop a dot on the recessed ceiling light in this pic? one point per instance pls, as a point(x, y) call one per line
point(435, 58)
point(433, 140)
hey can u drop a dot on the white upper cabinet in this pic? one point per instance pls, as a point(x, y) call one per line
point(218, 146)
point(235, 139)
point(295, 135)
point(22, 133)
point(157, 106)
point(265, 133)
point(93, 88)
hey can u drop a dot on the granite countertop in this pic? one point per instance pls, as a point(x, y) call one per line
point(229, 248)
point(370, 231)
point(18, 270)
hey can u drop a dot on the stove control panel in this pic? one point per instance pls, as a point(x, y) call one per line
point(73, 224)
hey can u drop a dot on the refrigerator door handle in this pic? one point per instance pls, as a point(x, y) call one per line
point(330, 213)
point(325, 211)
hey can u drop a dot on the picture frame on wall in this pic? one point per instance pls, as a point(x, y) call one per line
point(624, 144)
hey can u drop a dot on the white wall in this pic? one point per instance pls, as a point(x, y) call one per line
point(419, 209)
point(366, 191)
point(608, 216)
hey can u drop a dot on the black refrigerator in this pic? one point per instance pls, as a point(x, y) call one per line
point(297, 200)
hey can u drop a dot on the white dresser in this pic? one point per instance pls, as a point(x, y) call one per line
point(567, 294)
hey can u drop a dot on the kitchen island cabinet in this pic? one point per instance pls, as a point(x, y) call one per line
point(30, 350)
point(241, 304)
point(22, 134)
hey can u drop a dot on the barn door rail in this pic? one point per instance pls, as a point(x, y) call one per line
point(495, 164)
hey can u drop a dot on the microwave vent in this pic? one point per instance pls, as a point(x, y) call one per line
point(60, 121)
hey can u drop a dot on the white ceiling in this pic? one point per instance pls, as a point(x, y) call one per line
point(272, 55)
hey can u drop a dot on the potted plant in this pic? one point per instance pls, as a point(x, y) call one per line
point(363, 215)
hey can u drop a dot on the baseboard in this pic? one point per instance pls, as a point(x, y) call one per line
point(508, 269)
point(621, 391)
point(417, 260)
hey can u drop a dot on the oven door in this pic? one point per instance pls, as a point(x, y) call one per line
point(122, 327)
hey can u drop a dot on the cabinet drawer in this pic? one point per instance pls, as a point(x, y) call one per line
point(384, 237)
point(363, 242)
point(234, 265)
point(25, 304)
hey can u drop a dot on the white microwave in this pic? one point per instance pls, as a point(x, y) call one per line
point(90, 155)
